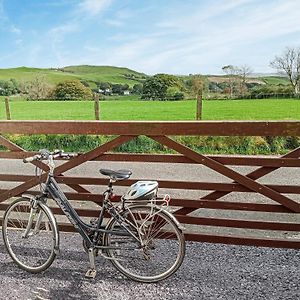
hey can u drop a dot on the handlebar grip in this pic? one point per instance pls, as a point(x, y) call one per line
point(30, 159)
point(68, 155)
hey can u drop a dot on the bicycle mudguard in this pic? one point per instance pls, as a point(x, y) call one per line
point(28, 196)
point(158, 208)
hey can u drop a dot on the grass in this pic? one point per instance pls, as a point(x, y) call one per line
point(129, 108)
point(88, 73)
point(267, 109)
point(276, 80)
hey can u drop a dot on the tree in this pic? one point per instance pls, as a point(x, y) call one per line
point(72, 89)
point(174, 93)
point(104, 85)
point(243, 72)
point(156, 87)
point(8, 87)
point(289, 63)
point(231, 72)
point(85, 83)
point(119, 88)
point(37, 88)
point(137, 89)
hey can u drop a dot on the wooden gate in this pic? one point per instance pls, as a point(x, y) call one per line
point(278, 213)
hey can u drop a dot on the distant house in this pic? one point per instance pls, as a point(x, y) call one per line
point(104, 92)
point(126, 92)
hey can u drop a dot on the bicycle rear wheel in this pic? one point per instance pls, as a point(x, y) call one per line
point(158, 250)
point(31, 244)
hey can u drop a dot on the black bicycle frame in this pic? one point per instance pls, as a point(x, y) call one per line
point(84, 229)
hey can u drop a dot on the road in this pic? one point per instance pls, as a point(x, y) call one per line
point(208, 272)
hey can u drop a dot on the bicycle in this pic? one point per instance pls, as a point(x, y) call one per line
point(142, 239)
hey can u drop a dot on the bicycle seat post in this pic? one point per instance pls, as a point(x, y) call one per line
point(109, 190)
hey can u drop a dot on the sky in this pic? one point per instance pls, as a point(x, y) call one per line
point(150, 36)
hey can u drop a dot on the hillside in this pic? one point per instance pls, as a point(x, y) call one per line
point(254, 78)
point(271, 79)
point(91, 74)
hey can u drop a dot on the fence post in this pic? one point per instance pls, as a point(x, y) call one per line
point(199, 106)
point(97, 106)
point(7, 108)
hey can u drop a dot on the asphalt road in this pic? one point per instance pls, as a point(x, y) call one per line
point(208, 272)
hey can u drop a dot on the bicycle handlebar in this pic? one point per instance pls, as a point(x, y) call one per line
point(45, 155)
point(31, 158)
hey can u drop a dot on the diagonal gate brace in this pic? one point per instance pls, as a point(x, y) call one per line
point(74, 162)
point(237, 177)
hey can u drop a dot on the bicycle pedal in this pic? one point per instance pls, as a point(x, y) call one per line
point(91, 273)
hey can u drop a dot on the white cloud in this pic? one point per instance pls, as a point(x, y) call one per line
point(18, 42)
point(5, 23)
point(201, 41)
point(197, 15)
point(58, 32)
point(76, 21)
point(187, 37)
point(15, 30)
point(207, 39)
point(94, 7)
point(114, 23)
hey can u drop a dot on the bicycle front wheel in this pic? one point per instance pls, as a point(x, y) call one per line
point(30, 235)
point(150, 249)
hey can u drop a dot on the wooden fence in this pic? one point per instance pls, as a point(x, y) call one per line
point(279, 199)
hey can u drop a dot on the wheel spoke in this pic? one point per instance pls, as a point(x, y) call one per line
point(162, 245)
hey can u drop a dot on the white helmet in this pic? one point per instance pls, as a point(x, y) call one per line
point(142, 190)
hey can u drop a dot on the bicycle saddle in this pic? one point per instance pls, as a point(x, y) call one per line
point(116, 175)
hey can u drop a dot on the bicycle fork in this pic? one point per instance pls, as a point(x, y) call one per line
point(30, 222)
point(32, 214)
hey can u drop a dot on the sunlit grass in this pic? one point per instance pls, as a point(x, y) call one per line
point(268, 109)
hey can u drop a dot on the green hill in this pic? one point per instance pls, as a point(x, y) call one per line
point(276, 80)
point(91, 74)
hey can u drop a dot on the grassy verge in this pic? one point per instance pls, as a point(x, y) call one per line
point(142, 144)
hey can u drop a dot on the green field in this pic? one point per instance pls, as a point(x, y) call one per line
point(268, 109)
point(87, 73)
point(277, 80)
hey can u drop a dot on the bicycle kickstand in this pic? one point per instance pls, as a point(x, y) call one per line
point(91, 272)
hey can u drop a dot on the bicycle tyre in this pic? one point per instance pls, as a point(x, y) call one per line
point(167, 247)
point(37, 252)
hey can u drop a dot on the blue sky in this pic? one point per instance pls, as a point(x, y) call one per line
point(154, 36)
